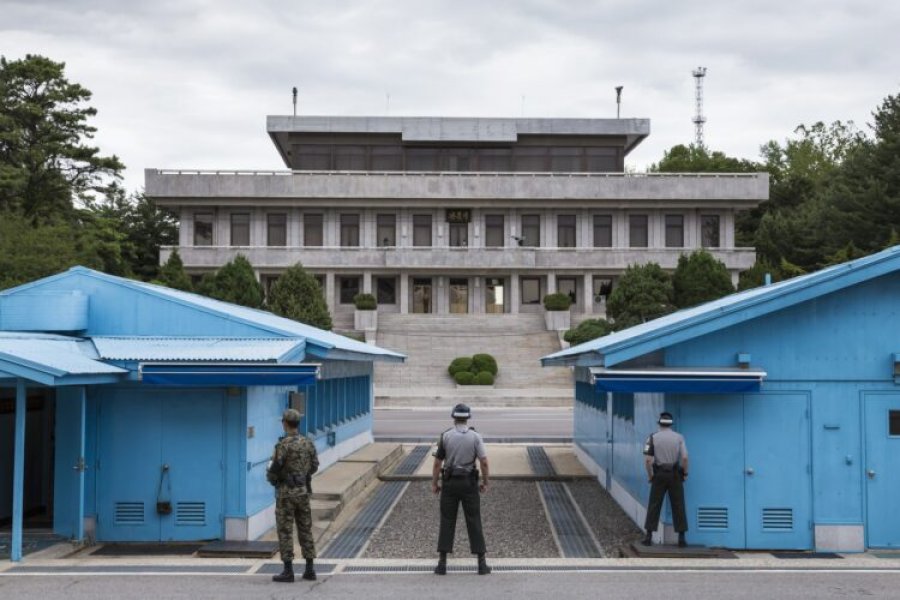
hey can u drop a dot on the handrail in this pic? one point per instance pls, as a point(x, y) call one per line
point(493, 174)
point(455, 248)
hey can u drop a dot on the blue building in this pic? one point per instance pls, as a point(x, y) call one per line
point(134, 412)
point(788, 396)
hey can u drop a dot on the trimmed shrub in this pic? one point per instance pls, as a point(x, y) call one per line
point(365, 302)
point(484, 378)
point(484, 362)
point(588, 330)
point(464, 377)
point(463, 363)
point(557, 301)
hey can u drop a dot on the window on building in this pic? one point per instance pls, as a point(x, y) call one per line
point(203, 229)
point(709, 231)
point(531, 159)
point(349, 286)
point(386, 158)
point(569, 287)
point(276, 229)
point(459, 159)
point(602, 231)
point(531, 231)
point(565, 160)
point(349, 230)
point(312, 157)
point(601, 160)
point(421, 230)
point(313, 233)
point(531, 290)
point(623, 405)
point(495, 159)
point(386, 230)
point(386, 290)
point(350, 158)
point(494, 236)
point(240, 229)
point(421, 159)
point(637, 231)
point(565, 231)
point(674, 231)
point(459, 234)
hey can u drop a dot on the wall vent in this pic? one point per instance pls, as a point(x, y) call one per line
point(778, 519)
point(190, 513)
point(129, 513)
point(712, 517)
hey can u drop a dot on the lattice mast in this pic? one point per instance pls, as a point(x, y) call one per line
point(699, 73)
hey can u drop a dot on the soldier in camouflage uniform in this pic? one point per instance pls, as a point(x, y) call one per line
point(293, 463)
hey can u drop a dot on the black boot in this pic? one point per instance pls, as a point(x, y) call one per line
point(286, 576)
point(648, 539)
point(682, 543)
point(441, 568)
point(483, 568)
point(310, 573)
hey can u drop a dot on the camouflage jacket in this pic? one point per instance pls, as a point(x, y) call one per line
point(293, 461)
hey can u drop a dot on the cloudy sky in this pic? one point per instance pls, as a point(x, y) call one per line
point(188, 83)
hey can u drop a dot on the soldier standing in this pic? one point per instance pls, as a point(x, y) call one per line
point(293, 463)
point(455, 478)
point(666, 461)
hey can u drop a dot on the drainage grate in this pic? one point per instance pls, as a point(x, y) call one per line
point(275, 568)
point(789, 554)
point(351, 539)
point(540, 462)
point(575, 541)
point(132, 569)
point(412, 462)
point(360, 569)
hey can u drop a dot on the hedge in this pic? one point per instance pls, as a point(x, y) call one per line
point(365, 302)
point(464, 377)
point(478, 370)
point(484, 362)
point(463, 363)
point(484, 378)
point(557, 301)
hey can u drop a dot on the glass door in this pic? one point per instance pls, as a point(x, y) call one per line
point(459, 296)
point(421, 296)
point(494, 290)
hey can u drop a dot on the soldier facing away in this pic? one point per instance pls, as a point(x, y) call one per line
point(666, 461)
point(293, 463)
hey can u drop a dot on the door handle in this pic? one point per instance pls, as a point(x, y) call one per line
point(871, 474)
point(749, 471)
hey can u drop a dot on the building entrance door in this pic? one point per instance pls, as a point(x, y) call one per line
point(882, 413)
point(494, 295)
point(421, 295)
point(459, 296)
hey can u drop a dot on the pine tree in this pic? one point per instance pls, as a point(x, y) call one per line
point(643, 293)
point(235, 282)
point(700, 278)
point(172, 274)
point(297, 295)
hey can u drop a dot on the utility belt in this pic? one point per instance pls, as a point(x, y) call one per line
point(293, 481)
point(666, 468)
point(459, 473)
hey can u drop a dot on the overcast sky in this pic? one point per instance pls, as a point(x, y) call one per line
point(188, 83)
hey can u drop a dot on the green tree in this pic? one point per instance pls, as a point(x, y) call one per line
point(235, 282)
point(700, 278)
point(755, 276)
point(643, 293)
point(588, 330)
point(697, 159)
point(172, 274)
point(28, 252)
point(46, 161)
point(298, 296)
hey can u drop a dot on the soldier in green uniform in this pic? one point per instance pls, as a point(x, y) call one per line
point(293, 463)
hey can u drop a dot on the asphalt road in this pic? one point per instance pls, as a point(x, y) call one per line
point(709, 585)
point(495, 424)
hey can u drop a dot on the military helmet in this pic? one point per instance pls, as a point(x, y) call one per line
point(291, 417)
point(665, 418)
point(461, 411)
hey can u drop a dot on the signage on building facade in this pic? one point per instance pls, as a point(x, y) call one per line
point(459, 215)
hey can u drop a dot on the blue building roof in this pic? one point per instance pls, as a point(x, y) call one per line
point(690, 323)
point(53, 360)
point(163, 349)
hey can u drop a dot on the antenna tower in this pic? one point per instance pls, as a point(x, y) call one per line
point(699, 73)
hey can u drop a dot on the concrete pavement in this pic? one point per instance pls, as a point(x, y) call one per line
point(494, 423)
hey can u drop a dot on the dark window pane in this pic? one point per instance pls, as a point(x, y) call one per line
point(565, 160)
point(276, 229)
point(386, 290)
point(459, 159)
point(603, 231)
point(312, 157)
point(709, 234)
point(531, 158)
point(495, 159)
point(531, 290)
point(674, 231)
point(386, 230)
point(350, 230)
point(421, 230)
point(312, 230)
point(602, 160)
point(386, 158)
point(421, 159)
point(350, 158)
point(894, 422)
point(349, 289)
point(240, 229)
point(637, 231)
point(459, 234)
point(565, 231)
point(531, 231)
point(493, 231)
point(568, 286)
point(203, 229)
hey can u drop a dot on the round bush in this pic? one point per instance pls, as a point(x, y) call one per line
point(484, 362)
point(484, 378)
point(365, 302)
point(463, 363)
point(464, 377)
point(557, 301)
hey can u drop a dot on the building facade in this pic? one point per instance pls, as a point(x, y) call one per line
point(455, 215)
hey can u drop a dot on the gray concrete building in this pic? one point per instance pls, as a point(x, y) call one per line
point(455, 215)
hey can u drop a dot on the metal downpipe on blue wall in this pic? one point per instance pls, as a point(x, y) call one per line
point(18, 472)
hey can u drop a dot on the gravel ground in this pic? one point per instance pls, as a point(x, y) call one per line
point(515, 525)
point(611, 525)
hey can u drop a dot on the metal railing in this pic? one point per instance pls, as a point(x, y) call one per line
point(487, 174)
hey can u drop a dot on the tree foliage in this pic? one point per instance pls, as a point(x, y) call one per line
point(172, 274)
point(588, 330)
point(234, 282)
point(298, 296)
point(700, 278)
point(644, 292)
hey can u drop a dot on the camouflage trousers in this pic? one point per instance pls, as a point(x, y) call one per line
point(290, 506)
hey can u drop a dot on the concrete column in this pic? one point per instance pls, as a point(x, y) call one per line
point(367, 282)
point(329, 291)
point(584, 230)
point(294, 231)
point(18, 472)
point(588, 293)
point(514, 299)
point(441, 295)
point(726, 230)
point(186, 228)
point(404, 293)
point(478, 295)
point(222, 230)
point(477, 239)
point(551, 283)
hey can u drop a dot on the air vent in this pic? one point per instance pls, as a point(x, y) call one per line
point(778, 519)
point(190, 513)
point(129, 513)
point(712, 517)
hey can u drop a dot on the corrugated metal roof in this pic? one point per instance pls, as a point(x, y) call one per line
point(196, 349)
point(56, 355)
point(735, 308)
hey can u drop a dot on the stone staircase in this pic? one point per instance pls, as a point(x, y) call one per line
point(431, 342)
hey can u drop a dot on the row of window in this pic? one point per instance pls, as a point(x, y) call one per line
point(558, 159)
point(331, 402)
point(622, 402)
point(458, 233)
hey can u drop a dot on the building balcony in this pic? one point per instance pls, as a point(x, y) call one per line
point(448, 259)
point(272, 188)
